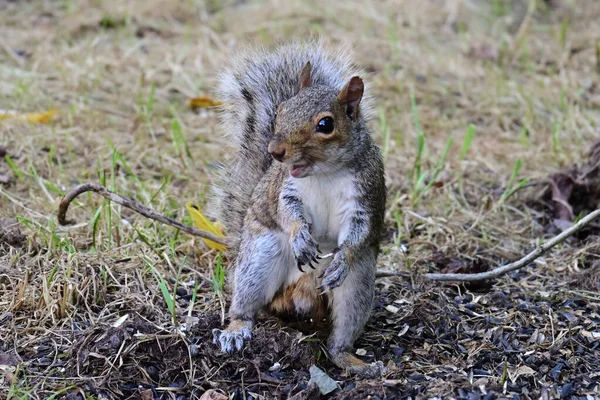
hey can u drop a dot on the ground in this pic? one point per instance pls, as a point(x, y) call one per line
point(87, 310)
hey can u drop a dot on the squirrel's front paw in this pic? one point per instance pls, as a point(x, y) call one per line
point(305, 248)
point(335, 273)
point(231, 340)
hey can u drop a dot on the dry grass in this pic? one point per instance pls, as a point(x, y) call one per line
point(121, 74)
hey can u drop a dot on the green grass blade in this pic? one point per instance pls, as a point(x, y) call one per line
point(14, 167)
point(469, 136)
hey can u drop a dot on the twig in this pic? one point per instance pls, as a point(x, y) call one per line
point(496, 272)
point(132, 205)
point(149, 213)
point(388, 274)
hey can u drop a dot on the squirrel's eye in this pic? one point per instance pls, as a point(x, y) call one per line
point(325, 125)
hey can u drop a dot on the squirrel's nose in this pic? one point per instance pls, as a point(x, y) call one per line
point(278, 152)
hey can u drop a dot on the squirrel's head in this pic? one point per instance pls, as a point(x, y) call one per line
point(313, 128)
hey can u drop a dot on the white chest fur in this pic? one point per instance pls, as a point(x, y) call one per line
point(329, 202)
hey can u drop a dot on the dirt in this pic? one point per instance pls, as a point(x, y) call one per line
point(10, 234)
point(492, 344)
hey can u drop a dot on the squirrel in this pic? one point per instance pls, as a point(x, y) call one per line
point(304, 177)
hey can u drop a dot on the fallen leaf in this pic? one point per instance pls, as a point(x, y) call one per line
point(537, 337)
point(523, 370)
point(39, 118)
point(204, 102)
point(201, 222)
point(403, 330)
point(562, 188)
point(146, 394)
point(595, 335)
point(212, 394)
point(575, 192)
point(324, 382)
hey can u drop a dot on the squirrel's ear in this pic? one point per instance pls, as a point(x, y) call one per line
point(351, 95)
point(305, 76)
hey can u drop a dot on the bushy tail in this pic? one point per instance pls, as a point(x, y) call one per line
point(251, 89)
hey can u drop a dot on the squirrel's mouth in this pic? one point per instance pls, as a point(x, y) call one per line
point(298, 170)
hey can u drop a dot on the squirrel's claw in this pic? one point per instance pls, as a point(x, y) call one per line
point(304, 248)
point(231, 341)
point(299, 265)
point(335, 274)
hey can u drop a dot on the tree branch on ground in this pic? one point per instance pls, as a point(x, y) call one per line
point(499, 271)
point(132, 205)
point(492, 274)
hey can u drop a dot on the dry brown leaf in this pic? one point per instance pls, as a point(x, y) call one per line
point(204, 102)
point(146, 395)
point(575, 191)
point(562, 188)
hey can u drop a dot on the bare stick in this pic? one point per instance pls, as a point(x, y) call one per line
point(149, 213)
point(387, 274)
point(132, 205)
point(496, 272)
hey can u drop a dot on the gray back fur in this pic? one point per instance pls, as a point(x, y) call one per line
point(258, 80)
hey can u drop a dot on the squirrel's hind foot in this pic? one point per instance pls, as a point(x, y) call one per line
point(354, 366)
point(232, 338)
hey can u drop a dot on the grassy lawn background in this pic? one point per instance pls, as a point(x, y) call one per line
point(517, 92)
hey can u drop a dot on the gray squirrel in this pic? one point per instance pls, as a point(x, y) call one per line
point(304, 177)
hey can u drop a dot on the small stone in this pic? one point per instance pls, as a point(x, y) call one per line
point(361, 352)
point(392, 309)
point(275, 367)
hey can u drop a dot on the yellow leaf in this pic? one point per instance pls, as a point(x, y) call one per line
point(204, 101)
point(201, 222)
point(36, 118)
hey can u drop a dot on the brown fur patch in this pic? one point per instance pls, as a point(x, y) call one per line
point(237, 325)
point(295, 227)
point(305, 291)
point(346, 360)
